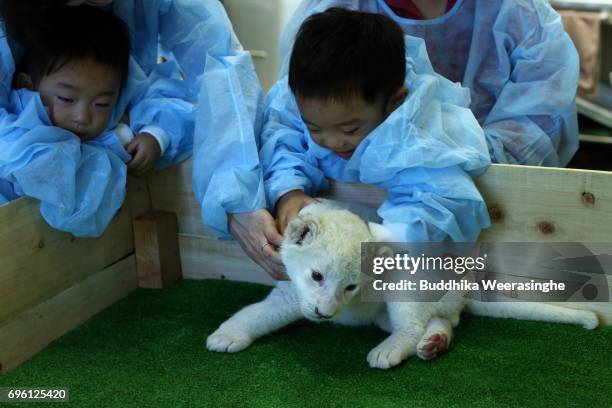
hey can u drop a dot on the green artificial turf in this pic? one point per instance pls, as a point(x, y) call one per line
point(148, 351)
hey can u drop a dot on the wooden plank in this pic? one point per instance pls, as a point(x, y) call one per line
point(37, 262)
point(528, 204)
point(209, 258)
point(520, 199)
point(171, 190)
point(157, 250)
point(532, 204)
point(138, 196)
point(34, 329)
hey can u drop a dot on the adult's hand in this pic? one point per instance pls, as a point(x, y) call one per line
point(257, 235)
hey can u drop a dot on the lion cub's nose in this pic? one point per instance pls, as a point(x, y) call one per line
point(321, 315)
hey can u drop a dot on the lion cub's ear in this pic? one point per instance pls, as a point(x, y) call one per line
point(303, 230)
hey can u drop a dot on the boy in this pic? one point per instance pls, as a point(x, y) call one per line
point(78, 65)
point(337, 116)
point(515, 58)
point(53, 144)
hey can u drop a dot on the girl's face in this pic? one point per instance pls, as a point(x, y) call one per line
point(89, 2)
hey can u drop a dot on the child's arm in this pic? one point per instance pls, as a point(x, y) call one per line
point(291, 178)
point(161, 110)
point(424, 154)
point(433, 205)
point(215, 112)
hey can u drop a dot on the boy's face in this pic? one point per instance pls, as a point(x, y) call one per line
point(340, 125)
point(81, 96)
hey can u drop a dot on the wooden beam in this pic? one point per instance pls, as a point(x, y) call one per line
point(210, 258)
point(34, 329)
point(38, 262)
point(171, 190)
point(537, 204)
point(138, 196)
point(526, 204)
point(157, 249)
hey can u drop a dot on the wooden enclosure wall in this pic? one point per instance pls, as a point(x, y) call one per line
point(51, 281)
point(526, 204)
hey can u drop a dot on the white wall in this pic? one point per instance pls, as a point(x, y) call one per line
point(258, 25)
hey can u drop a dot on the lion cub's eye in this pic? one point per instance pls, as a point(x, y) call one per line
point(316, 276)
point(350, 288)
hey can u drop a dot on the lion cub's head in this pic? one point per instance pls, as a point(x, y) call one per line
point(322, 254)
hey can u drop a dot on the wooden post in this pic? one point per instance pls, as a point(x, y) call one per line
point(158, 261)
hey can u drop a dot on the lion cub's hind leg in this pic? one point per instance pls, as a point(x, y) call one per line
point(436, 339)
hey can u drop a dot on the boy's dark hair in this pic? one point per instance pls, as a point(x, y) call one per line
point(68, 33)
point(21, 15)
point(341, 53)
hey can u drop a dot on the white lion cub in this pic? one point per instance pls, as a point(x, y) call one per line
point(322, 254)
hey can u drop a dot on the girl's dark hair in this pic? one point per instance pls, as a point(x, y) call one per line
point(340, 54)
point(55, 34)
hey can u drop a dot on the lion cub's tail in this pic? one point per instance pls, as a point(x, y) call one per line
point(534, 311)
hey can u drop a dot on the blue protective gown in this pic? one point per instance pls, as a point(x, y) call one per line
point(89, 183)
point(425, 167)
point(226, 169)
point(80, 185)
point(519, 64)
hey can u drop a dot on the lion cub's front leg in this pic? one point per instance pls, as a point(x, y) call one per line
point(406, 331)
point(238, 332)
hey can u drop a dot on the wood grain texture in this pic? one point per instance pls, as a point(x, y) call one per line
point(210, 258)
point(526, 204)
point(536, 204)
point(156, 246)
point(171, 190)
point(37, 262)
point(32, 330)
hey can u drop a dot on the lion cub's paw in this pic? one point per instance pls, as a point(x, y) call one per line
point(432, 346)
point(386, 355)
point(226, 341)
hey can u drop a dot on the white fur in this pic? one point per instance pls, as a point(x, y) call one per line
point(328, 240)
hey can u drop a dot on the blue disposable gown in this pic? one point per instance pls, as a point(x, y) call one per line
point(164, 95)
point(226, 169)
point(519, 64)
point(7, 192)
point(161, 95)
point(80, 185)
point(425, 167)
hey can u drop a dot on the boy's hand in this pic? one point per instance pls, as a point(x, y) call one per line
point(289, 205)
point(145, 153)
